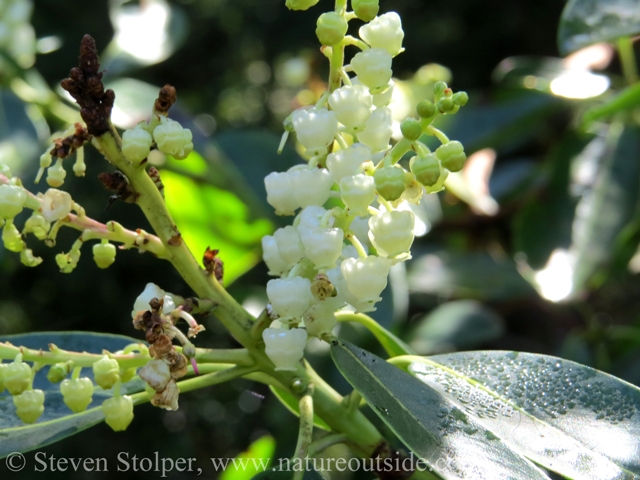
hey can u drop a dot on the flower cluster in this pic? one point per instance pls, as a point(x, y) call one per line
point(352, 198)
point(160, 132)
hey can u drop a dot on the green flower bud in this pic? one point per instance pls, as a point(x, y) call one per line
point(37, 225)
point(128, 374)
point(11, 238)
point(445, 105)
point(411, 129)
point(426, 109)
point(452, 156)
point(59, 371)
point(56, 174)
point(460, 98)
point(426, 169)
point(438, 89)
point(28, 259)
point(104, 254)
point(29, 405)
point(118, 412)
point(390, 182)
point(5, 170)
point(67, 262)
point(365, 10)
point(331, 28)
point(106, 372)
point(77, 393)
point(17, 377)
point(12, 199)
point(300, 4)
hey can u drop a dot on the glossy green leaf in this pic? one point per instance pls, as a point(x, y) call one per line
point(251, 462)
point(455, 325)
point(211, 217)
point(57, 421)
point(571, 419)
point(393, 345)
point(291, 403)
point(585, 22)
point(433, 426)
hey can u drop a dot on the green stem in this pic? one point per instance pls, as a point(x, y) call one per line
point(358, 429)
point(56, 355)
point(230, 313)
point(628, 59)
point(439, 134)
point(305, 404)
point(209, 379)
point(238, 356)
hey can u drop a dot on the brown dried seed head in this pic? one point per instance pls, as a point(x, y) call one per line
point(166, 98)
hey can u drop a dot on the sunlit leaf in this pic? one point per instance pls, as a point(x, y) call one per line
point(57, 421)
point(210, 217)
point(251, 462)
point(451, 441)
point(455, 325)
point(571, 419)
point(585, 22)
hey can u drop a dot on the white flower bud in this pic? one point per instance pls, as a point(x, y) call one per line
point(56, 175)
point(289, 297)
point(310, 186)
point(373, 68)
point(56, 205)
point(278, 185)
point(385, 32)
point(382, 99)
point(289, 245)
point(344, 163)
point(391, 233)
point(379, 129)
point(136, 144)
point(315, 128)
point(271, 256)
point(310, 217)
point(12, 200)
point(151, 291)
point(366, 277)
point(285, 348)
point(323, 246)
point(352, 105)
point(320, 318)
point(156, 373)
point(172, 139)
point(344, 294)
point(358, 192)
